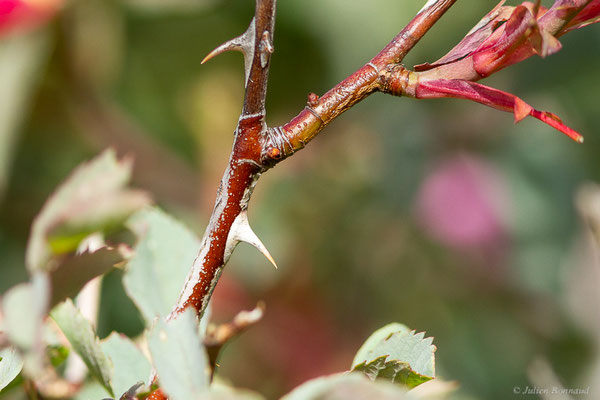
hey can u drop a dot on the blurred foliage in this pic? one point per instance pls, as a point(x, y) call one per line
point(343, 218)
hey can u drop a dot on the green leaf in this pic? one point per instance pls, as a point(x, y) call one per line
point(163, 257)
point(179, 357)
point(91, 390)
point(93, 198)
point(392, 345)
point(24, 307)
point(73, 272)
point(347, 386)
point(219, 390)
point(11, 364)
point(82, 338)
point(129, 364)
point(392, 370)
point(376, 339)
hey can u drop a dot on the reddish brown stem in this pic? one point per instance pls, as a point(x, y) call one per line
point(243, 169)
point(256, 88)
point(232, 199)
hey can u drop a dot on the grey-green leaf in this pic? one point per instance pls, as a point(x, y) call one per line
point(129, 364)
point(376, 339)
point(163, 257)
point(11, 364)
point(93, 198)
point(398, 343)
point(82, 338)
point(24, 307)
point(220, 390)
point(91, 390)
point(179, 357)
point(352, 386)
point(391, 370)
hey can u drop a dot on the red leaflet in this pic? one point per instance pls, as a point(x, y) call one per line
point(589, 15)
point(507, 35)
point(473, 40)
point(568, 15)
point(490, 97)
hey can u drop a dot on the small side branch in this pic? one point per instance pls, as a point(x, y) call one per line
point(319, 112)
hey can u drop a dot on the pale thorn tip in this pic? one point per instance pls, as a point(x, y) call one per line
point(230, 45)
point(242, 232)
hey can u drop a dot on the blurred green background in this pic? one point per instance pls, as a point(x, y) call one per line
point(442, 215)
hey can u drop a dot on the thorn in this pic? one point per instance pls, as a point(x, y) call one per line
point(243, 43)
point(241, 232)
point(230, 45)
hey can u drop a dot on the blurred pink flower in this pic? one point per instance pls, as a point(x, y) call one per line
point(26, 14)
point(462, 203)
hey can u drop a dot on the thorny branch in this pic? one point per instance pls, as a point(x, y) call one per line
point(228, 224)
point(505, 36)
point(257, 147)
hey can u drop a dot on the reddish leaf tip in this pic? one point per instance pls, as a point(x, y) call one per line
point(555, 122)
point(491, 97)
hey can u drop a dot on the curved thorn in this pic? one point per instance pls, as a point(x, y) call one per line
point(243, 43)
point(241, 232)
